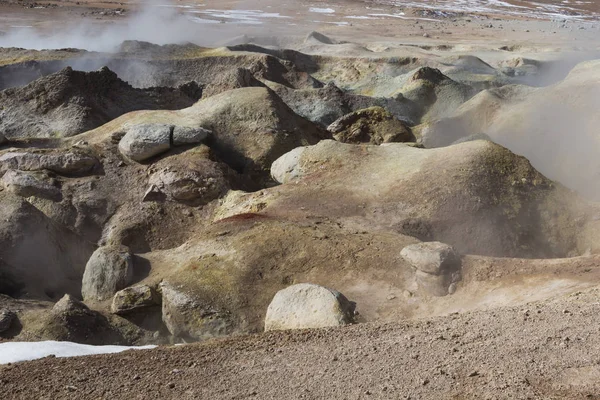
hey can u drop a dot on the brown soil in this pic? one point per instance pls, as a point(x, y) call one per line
point(545, 350)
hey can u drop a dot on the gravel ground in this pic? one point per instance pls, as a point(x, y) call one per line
point(547, 350)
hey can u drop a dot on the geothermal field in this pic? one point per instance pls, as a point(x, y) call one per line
point(299, 200)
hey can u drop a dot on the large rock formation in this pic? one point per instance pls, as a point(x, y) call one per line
point(477, 196)
point(372, 125)
point(305, 306)
point(70, 102)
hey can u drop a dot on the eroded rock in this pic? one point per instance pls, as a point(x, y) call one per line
point(183, 135)
point(28, 184)
point(372, 125)
point(67, 163)
point(108, 270)
point(6, 319)
point(189, 318)
point(145, 141)
point(437, 266)
point(307, 305)
point(133, 299)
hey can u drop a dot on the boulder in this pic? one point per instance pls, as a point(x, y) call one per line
point(71, 320)
point(188, 318)
point(437, 266)
point(69, 305)
point(183, 135)
point(27, 184)
point(108, 270)
point(372, 125)
point(434, 258)
point(142, 142)
point(61, 162)
point(6, 319)
point(190, 177)
point(135, 298)
point(307, 305)
point(287, 167)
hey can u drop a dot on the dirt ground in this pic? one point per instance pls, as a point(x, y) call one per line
point(547, 350)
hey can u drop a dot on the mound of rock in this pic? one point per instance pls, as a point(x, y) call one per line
point(372, 125)
point(477, 196)
point(70, 102)
point(305, 306)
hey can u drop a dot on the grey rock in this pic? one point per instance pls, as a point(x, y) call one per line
point(183, 135)
point(308, 306)
point(133, 299)
point(189, 318)
point(142, 142)
point(69, 163)
point(108, 270)
point(26, 185)
point(287, 167)
point(437, 267)
point(69, 305)
point(6, 319)
point(432, 257)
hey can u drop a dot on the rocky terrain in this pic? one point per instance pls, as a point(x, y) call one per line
point(426, 215)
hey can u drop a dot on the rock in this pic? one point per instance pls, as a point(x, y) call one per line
point(71, 320)
point(69, 102)
point(371, 125)
point(3, 139)
point(133, 299)
point(6, 319)
point(38, 256)
point(307, 305)
point(191, 178)
point(183, 135)
point(69, 304)
point(432, 257)
point(189, 318)
point(286, 167)
point(67, 163)
point(26, 184)
point(108, 270)
point(142, 142)
point(437, 265)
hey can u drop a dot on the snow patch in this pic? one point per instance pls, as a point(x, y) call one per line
point(11, 352)
point(321, 10)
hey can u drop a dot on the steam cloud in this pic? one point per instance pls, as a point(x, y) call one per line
point(157, 22)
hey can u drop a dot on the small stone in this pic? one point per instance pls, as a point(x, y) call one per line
point(71, 388)
point(171, 385)
point(474, 373)
point(137, 378)
point(407, 293)
point(391, 297)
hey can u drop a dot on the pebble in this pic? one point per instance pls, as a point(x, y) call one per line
point(171, 385)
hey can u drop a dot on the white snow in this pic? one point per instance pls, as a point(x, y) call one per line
point(321, 10)
point(11, 352)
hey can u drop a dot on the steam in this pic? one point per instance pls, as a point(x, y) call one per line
point(157, 22)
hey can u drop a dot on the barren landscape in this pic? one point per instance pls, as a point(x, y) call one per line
point(341, 199)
